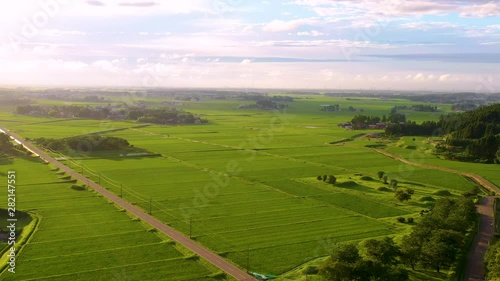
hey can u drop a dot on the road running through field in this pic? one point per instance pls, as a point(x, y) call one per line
point(196, 248)
point(474, 270)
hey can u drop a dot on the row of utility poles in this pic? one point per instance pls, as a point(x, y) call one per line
point(151, 212)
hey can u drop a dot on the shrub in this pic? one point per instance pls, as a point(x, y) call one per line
point(309, 270)
point(401, 220)
point(427, 199)
point(411, 220)
point(347, 184)
point(442, 193)
point(332, 179)
point(77, 187)
point(366, 178)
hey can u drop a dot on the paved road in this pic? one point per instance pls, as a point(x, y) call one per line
point(474, 270)
point(201, 251)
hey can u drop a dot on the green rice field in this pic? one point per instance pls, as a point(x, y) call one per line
point(243, 185)
point(80, 236)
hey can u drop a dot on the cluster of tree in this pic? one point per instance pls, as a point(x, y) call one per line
point(427, 128)
point(86, 143)
point(400, 193)
point(492, 262)
point(418, 107)
point(470, 136)
point(404, 194)
point(94, 98)
point(8, 148)
point(465, 106)
point(438, 239)
point(164, 116)
point(334, 107)
point(66, 111)
point(266, 104)
point(475, 133)
point(330, 179)
point(363, 121)
point(379, 262)
point(257, 97)
point(353, 109)
point(456, 98)
point(140, 114)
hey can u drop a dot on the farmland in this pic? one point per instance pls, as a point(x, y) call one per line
point(243, 185)
point(80, 236)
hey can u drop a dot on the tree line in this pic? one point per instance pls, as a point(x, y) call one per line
point(139, 114)
point(470, 136)
point(86, 143)
point(436, 242)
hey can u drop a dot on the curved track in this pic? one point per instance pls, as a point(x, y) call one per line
point(474, 270)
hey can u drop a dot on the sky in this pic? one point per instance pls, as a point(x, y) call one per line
point(445, 45)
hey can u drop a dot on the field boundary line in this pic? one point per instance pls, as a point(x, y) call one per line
point(175, 235)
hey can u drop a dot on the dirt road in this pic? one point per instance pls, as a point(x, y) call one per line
point(474, 270)
point(196, 248)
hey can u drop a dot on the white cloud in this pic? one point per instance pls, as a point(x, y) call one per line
point(444, 77)
point(425, 26)
point(312, 33)
point(281, 26)
point(491, 9)
point(419, 77)
point(246, 61)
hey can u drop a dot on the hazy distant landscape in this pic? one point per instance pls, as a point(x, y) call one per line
point(269, 181)
point(308, 140)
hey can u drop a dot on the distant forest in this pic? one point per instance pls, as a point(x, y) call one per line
point(139, 114)
point(470, 136)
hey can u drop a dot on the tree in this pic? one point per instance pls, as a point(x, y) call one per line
point(346, 264)
point(402, 195)
point(384, 251)
point(320, 178)
point(492, 261)
point(385, 179)
point(340, 265)
point(410, 250)
point(380, 174)
point(324, 178)
point(442, 248)
point(332, 179)
point(394, 184)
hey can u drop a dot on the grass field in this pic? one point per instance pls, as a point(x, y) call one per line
point(83, 237)
point(245, 184)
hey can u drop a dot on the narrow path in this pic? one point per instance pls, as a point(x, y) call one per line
point(475, 258)
point(196, 248)
point(474, 270)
